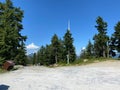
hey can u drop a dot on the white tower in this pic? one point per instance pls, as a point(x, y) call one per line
point(68, 55)
point(68, 24)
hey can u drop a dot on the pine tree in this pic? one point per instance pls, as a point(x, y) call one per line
point(100, 39)
point(83, 54)
point(55, 45)
point(41, 55)
point(115, 40)
point(57, 48)
point(11, 40)
point(89, 50)
point(21, 57)
point(49, 55)
point(61, 54)
point(34, 59)
point(69, 48)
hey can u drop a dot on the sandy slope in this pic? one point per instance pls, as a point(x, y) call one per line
point(97, 76)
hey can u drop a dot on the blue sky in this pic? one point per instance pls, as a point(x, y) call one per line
point(44, 18)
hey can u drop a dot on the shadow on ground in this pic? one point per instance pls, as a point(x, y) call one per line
point(4, 87)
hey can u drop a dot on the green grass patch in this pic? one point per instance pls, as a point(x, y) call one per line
point(2, 70)
point(79, 62)
point(92, 60)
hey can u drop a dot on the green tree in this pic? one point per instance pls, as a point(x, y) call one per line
point(115, 40)
point(83, 53)
point(49, 56)
point(61, 54)
point(69, 48)
point(11, 40)
point(89, 50)
point(57, 46)
point(41, 55)
point(34, 59)
point(101, 39)
point(52, 53)
point(45, 55)
point(21, 57)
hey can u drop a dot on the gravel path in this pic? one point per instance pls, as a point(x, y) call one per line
point(97, 76)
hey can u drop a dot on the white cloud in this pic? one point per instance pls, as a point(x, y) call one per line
point(32, 46)
point(83, 48)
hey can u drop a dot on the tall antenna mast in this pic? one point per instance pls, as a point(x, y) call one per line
point(68, 24)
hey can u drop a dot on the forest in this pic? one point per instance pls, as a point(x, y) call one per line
point(61, 50)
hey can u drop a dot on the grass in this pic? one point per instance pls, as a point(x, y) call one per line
point(79, 62)
point(2, 70)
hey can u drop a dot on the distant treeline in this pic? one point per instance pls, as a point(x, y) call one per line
point(62, 50)
point(58, 51)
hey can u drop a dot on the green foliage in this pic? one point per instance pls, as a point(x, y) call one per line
point(45, 55)
point(34, 59)
point(80, 61)
point(69, 48)
point(41, 55)
point(11, 40)
point(56, 47)
point(1, 61)
point(101, 39)
point(83, 54)
point(56, 51)
point(115, 39)
point(59, 51)
point(2, 70)
point(88, 52)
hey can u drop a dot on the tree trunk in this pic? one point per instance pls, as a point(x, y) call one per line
point(56, 59)
point(108, 50)
point(104, 52)
point(68, 58)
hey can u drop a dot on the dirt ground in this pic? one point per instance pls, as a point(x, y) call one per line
point(97, 76)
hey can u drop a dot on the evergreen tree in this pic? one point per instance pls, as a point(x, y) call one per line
point(34, 59)
point(57, 48)
point(115, 40)
point(55, 45)
point(83, 53)
point(69, 48)
point(49, 55)
point(89, 50)
point(101, 39)
point(61, 54)
point(52, 53)
point(21, 57)
point(11, 40)
point(41, 55)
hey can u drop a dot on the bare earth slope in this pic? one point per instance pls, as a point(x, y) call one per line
point(97, 76)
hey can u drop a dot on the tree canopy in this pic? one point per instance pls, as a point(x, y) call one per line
point(12, 45)
point(69, 48)
point(100, 39)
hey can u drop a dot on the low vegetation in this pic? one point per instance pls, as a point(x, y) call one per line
point(2, 70)
point(80, 62)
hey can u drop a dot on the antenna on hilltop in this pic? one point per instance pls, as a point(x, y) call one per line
point(68, 24)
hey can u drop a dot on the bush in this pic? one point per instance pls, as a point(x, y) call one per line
point(1, 61)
